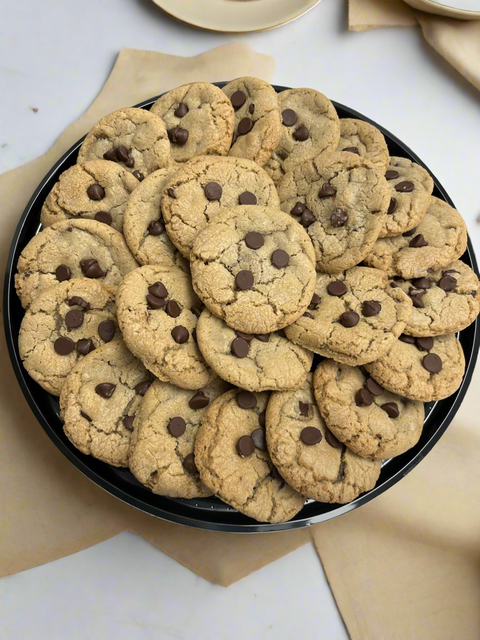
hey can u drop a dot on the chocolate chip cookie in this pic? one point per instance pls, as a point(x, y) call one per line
point(232, 458)
point(157, 313)
point(253, 362)
point(203, 186)
point(164, 430)
point(342, 201)
point(439, 239)
point(354, 317)
point(411, 187)
point(98, 400)
point(370, 421)
point(96, 189)
point(72, 249)
point(365, 140)
point(308, 455)
point(423, 369)
point(62, 325)
point(199, 119)
point(310, 126)
point(258, 126)
point(254, 267)
point(144, 227)
point(134, 138)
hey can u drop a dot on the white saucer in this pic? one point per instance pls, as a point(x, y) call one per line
point(462, 9)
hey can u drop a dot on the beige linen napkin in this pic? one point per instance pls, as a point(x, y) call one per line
point(458, 41)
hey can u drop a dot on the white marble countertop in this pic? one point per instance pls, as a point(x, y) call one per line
point(55, 57)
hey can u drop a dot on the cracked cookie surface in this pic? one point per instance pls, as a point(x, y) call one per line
point(377, 425)
point(160, 330)
point(440, 238)
point(135, 138)
point(96, 422)
point(354, 317)
point(342, 201)
point(201, 187)
point(404, 369)
point(365, 140)
point(267, 362)
point(62, 325)
point(161, 457)
point(199, 119)
point(306, 454)
point(258, 125)
point(247, 482)
point(55, 254)
point(70, 197)
point(254, 267)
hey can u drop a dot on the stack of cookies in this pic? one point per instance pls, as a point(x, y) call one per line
point(196, 258)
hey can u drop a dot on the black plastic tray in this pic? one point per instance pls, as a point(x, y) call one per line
point(211, 513)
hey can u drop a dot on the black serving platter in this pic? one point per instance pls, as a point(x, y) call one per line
point(211, 513)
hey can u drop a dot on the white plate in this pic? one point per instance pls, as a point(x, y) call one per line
point(463, 9)
point(236, 16)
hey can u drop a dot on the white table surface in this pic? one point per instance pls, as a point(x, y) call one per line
point(55, 56)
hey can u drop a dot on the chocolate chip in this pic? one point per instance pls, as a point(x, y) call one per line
point(258, 437)
point(263, 337)
point(298, 209)
point(63, 346)
point(142, 387)
point(77, 301)
point(449, 271)
point(336, 288)
point(91, 268)
point(327, 191)
point(407, 339)
point(198, 401)
point(404, 187)
point(417, 301)
point(156, 228)
point(138, 175)
point(251, 108)
point(432, 363)
point(310, 435)
point(289, 117)
point(158, 289)
point(332, 440)
point(62, 272)
point(189, 464)
point(171, 192)
point(301, 134)
point(307, 218)
point(349, 319)
point(247, 198)
point(85, 346)
point(180, 334)
point(351, 150)
point(371, 308)
point(173, 309)
point(96, 192)
point(74, 318)
point(245, 446)
point(276, 475)
point(103, 216)
point(338, 218)
point(177, 135)
point(307, 315)
point(154, 302)
point(363, 398)
point(240, 348)
point(314, 302)
point(176, 426)
point(422, 283)
point(105, 389)
point(238, 99)
point(244, 280)
point(181, 110)
point(372, 386)
point(447, 283)
point(391, 174)
point(106, 330)
point(194, 334)
point(391, 409)
point(254, 240)
point(246, 400)
point(246, 336)
point(213, 191)
point(122, 153)
point(234, 137)
point(261, 418)
point(392, 207)
point(418, 241)
point(424, 344)
point(128, 422)
point(393, 284)
point(303, 407)
point(196, 311)
point(244, 126)
point(409, 233)
point(111, 155)
point(280, 258)
point(84, 415)
point(130, 162)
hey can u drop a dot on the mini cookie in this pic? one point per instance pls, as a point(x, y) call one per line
point(308, 455)
point(256, 363)
point(440, 238)
point(423, 369)
point(72, 249)
point(258, 126)
point(411, 187)
point(99, 400)
point(232, 458)
point(365, 140)
point(199, 119)
point(354, 317)
point(144, 228)
point(164, 431)
point(254, 267)
point(371, 422)
point(310, 127)
point(342, 202)
point(97, 190)
point(135, 138)
point(157, 313)
point(201, 187)
point(62, 325)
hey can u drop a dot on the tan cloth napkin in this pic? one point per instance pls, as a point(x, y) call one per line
point(458, 41)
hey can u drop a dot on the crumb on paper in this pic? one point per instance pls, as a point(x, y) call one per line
point(34, 109)
point(478, 218)
point(5, 144)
